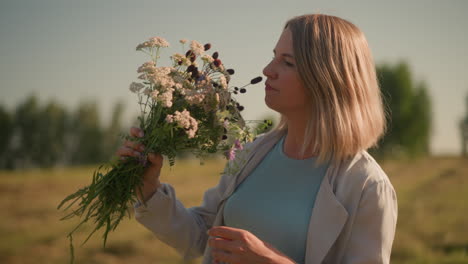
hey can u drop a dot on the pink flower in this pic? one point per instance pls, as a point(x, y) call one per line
point(231, 154)
point(238, 145)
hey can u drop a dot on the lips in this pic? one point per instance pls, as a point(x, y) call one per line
point(269, 88)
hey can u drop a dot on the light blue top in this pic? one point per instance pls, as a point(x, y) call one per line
point(278, 184)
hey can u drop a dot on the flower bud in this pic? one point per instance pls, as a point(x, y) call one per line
point(207, 46)
point(243, 90)
point(256, 80)
point(215, 55)
point(190, 68)
point(193, 58)
point(217, 62)
point(230, 71)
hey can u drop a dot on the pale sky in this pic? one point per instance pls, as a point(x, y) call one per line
point(76, 50)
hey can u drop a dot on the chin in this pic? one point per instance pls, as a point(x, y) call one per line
point(271, 104)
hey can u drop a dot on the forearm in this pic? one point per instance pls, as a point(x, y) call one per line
point(171, 222)
point(147, 191)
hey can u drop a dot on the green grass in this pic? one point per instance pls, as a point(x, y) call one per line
point(432, 225)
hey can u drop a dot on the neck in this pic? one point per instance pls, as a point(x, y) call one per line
point(295, 139)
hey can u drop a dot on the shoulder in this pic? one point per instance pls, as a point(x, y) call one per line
point(363, 168)
point(360, 176)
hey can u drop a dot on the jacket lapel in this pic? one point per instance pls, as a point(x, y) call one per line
point(327, 220)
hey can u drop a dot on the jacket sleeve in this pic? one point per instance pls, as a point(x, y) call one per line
point(374, 226)
point(184, 228)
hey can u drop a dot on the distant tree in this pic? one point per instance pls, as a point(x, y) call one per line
point(409, 113)
point(464, 130)
point(419, 125)
point(6, 132)
point(25, 145)
point(52, 130)
point(86, 135)
point(114, 131)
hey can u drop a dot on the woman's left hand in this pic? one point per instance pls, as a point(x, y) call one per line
point(233, 245)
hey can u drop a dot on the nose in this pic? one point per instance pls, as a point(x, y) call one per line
point(269, 71)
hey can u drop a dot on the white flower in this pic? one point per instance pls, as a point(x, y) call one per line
point(207, 58)
point(148, 67)
point(154, 94)
point(169, 118)
point(153, 42)
point(160, 77)
point(226, 124)
point(166, 98)
point(185, 121)
point(197, 47)
point(177, 57)
point(147, 91)
point(194, 97)
point(136, 87)
point(223, 81)
point(178, 86)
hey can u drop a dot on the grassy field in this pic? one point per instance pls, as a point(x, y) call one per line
point(432, 224)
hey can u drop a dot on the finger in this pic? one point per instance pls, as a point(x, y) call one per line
point(227, 245)
point(228, 232)
point(134, 145)
point(223, 256)
point(127, 152)
point(156, 159)
point(136, 132)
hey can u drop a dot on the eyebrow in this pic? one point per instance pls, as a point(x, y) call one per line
point(285, 54)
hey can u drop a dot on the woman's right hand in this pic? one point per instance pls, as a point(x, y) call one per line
point(151, 174)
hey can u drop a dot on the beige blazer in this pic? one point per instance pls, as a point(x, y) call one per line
point(353, 219)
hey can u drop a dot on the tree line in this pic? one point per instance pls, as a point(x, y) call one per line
point(35, 135)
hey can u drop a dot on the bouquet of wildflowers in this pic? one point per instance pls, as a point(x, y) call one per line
point(185, 107)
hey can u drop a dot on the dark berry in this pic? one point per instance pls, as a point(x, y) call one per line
point(256, 80)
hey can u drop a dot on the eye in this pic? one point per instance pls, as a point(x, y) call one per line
point(285, 62)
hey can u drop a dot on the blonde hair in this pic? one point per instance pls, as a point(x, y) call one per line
point(336, 67)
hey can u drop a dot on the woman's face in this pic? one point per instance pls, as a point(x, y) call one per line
point(284, 91)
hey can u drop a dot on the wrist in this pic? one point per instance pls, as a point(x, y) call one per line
point(149, 189)
point(279, 258)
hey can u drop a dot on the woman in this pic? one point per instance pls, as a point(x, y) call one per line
point(307, 192)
